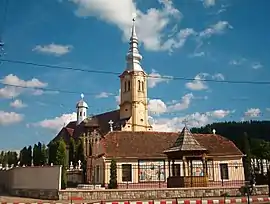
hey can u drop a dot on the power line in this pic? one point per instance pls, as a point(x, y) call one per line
point(47, 89)
point(148, 76)
point(90, 93)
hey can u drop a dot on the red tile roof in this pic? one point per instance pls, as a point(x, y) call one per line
point(141, 144)
point(152, 144)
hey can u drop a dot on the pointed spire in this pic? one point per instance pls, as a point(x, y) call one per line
point(133, 57)
point(186, 142)
point(133, 30)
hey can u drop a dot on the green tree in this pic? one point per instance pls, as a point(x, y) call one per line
point(2, 157)
point(43, 155)
point(39, 147)
point(23, 156)
point(12, 157)
point(61, 159)
point(36, 155)
point(72, 151)
point(52, 152)
point(5, 159)
point(29, 155)
point(80, 151)
point(113, 175)
point(247, 158)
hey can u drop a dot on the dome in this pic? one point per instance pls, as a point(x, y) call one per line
point(81, 104)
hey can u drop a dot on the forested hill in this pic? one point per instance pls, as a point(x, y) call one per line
point(257, 131)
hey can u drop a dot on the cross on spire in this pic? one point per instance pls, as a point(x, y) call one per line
point(111, 125)
point(185, 122)
point(82, 96)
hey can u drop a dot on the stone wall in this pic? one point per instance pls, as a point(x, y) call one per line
point(35, 193)
point(160, 193)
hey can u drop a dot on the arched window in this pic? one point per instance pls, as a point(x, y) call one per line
point(80, 113)
point(125, 89)
point(128, 85)
point(139, 85)
point(142, 84)
point(83, 113)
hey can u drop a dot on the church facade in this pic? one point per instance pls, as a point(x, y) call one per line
point(144, 156)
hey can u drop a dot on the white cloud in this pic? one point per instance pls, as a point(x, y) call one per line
point(53, 49)
point(157, 106)
point(117, 98)
point(14, 80)
point(198, 83)
point(103, 95)
point(256, 65)
point(17, 104)
point(218, 76)
point(193, 120)
point(253, 112)
point(57, 123)
point(12, 91)
point(182, 104)
point(177, 123)
point(219, 114)
point(8, 118)
point(155, 78)
point(197, 54)
point(209, 3)
point(218, 28)
point(237, 62)
point(151, 25)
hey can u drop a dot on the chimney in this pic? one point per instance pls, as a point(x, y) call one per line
point(214, 131)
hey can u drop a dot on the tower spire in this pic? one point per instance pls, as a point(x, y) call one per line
point(133, 57)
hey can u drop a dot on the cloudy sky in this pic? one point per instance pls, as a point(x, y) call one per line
point(220, 40)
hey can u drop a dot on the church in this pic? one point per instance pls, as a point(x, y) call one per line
point(146, 158)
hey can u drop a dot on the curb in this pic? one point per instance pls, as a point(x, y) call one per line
point(203, 201)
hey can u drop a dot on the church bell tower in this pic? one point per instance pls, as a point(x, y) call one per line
point(133, 97)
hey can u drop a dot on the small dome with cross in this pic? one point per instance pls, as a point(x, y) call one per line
point(82, 103)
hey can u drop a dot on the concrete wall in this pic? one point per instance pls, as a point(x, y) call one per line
point(156, 194)
point(37, 182)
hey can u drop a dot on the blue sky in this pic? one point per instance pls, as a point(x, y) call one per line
point(210, 39)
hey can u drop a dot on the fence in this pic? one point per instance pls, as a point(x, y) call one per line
point(138, 175)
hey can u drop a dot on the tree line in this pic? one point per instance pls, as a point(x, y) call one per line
point(8, 158)
point(55, 153)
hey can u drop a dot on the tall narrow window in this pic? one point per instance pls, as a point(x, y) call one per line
point(176, 169)
point(125, 87)
point(142, 86)
point(126, 172)
point(139, 85)
point(97, 174)
point(128, 85)
point(224, 172)
point(80, 113)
